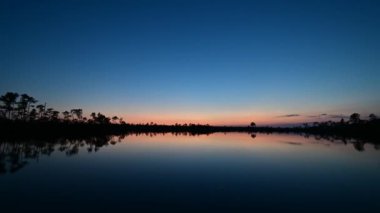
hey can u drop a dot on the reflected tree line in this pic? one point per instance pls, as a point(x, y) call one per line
point(15, 154)
point(354, 127)
point(357, 143)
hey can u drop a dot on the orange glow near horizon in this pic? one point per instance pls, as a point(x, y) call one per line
point(223, 118)
point(195, 118)
point(261, 119)
point(271, 115)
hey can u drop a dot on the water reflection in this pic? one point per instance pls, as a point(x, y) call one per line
point(16, 154)
point(220, 172)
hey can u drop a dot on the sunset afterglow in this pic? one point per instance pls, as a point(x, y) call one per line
point(216, 62)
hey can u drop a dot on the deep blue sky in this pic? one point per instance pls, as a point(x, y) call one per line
point(203, 61)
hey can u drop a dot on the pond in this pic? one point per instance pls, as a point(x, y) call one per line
point(220, 172)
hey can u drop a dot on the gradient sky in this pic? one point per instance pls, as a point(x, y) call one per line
point(217, 62)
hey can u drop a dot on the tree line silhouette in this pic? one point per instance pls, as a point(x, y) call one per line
point(22, 116)
point(23, 108)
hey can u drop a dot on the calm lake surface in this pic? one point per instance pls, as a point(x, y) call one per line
point(233, 172)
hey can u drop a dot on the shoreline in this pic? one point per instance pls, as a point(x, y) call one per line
point(50, 129)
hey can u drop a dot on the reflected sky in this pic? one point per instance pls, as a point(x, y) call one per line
point(218, 172)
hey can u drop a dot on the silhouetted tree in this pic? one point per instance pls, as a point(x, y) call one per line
point(372, 117)
point(342, 121)
point(41, 110)
point(359, 146)
point(33, 114)
point(77, 112)
point(115, 118)
point(48, 115)
point(253, 124)
point(100, 118)
point(54, 115)
point(355, 118)
point(2, 113)
point(9, 100)
point(93, 116)
point(23, 106)
point(66, 115)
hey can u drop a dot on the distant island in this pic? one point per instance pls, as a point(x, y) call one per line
point(21, 116)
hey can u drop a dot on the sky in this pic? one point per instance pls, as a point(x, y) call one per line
point(217, 62)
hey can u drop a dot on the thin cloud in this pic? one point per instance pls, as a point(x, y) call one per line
point(288, 115)
point(332, 116)
point(317, 116)
point(339, 116)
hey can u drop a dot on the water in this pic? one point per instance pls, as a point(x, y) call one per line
point(231, 172)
